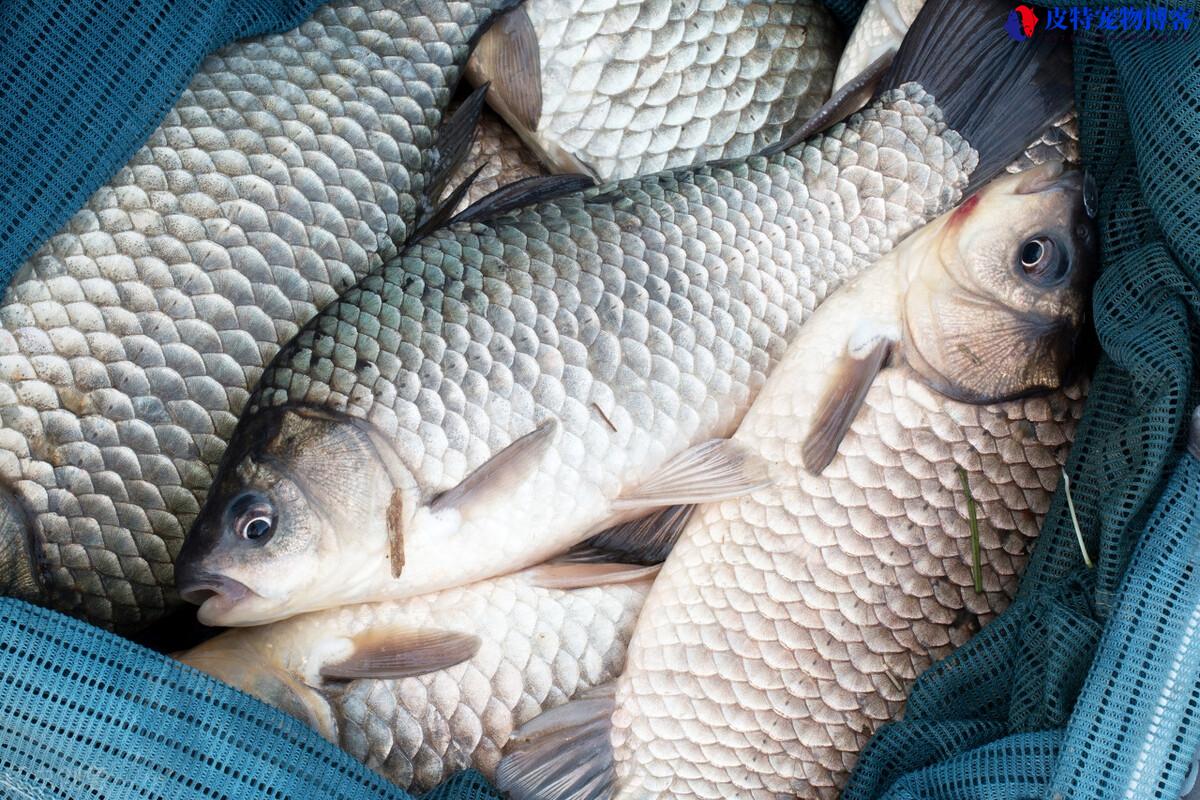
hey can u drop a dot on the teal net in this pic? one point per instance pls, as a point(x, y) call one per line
point(86, 714)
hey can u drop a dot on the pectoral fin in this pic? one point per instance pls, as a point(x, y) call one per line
point(500, 475)
point(714, 470)
point(852, 377)
point(845, 101)
point(393, 654)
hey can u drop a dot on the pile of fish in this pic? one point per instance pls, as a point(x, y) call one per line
point(663, 487)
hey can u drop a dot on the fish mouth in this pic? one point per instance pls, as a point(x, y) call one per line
point(213, 593)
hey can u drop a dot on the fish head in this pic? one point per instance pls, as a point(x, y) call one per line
point(998, 290)
point(299, 508)
point(236, 660)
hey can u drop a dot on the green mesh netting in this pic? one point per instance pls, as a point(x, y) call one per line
point(1071, 691)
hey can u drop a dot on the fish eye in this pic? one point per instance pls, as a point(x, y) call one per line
point(253, 517)
point(1042, 261)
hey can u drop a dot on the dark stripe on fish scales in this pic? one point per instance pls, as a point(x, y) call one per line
point(667, 307)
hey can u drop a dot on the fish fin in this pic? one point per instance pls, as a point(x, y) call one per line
point(498, 476)
point(523, 192)
point(392, 654)
point(441, 214)
point(999, 93)
point(452, 143)
point(564, 753)
point(714, 470)
point(395, 529)
point(851, 97)
point(853, 377)
point(567, 574)
point(509, 57)
point(645, 540)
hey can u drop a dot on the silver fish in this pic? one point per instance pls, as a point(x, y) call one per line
point(129, 345)
point(574, 364)
point(476, 662)
point(787, 624)
point(880, 29)
point(618, 88)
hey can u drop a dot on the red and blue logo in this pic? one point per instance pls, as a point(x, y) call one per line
point(1022, 22)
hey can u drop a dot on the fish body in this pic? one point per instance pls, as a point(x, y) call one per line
point(617, 88)
point(881, 28)
point(131, 341)
point(536, 648)
point(561, 368)
point(786, 624)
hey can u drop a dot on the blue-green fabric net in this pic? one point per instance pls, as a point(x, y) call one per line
point(86, 714)
point(1089, 685)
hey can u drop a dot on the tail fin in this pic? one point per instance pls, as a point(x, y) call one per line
point(1000, 93)
point(564, 754)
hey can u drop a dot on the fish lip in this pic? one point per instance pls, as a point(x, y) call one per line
point(208, 586)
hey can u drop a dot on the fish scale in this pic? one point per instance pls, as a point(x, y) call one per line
point(539, 648)
point(628, 88)
point(480, 331)
point(880, 28)
point(839, 589)
point(131, 339)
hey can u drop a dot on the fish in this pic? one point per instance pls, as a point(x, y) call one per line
point(288, 169)
point(497, 158)
point(615, 89)
point(934, 393)
point(880, 28)
point(578, 363)
point(418, 689)
point(876, 37)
